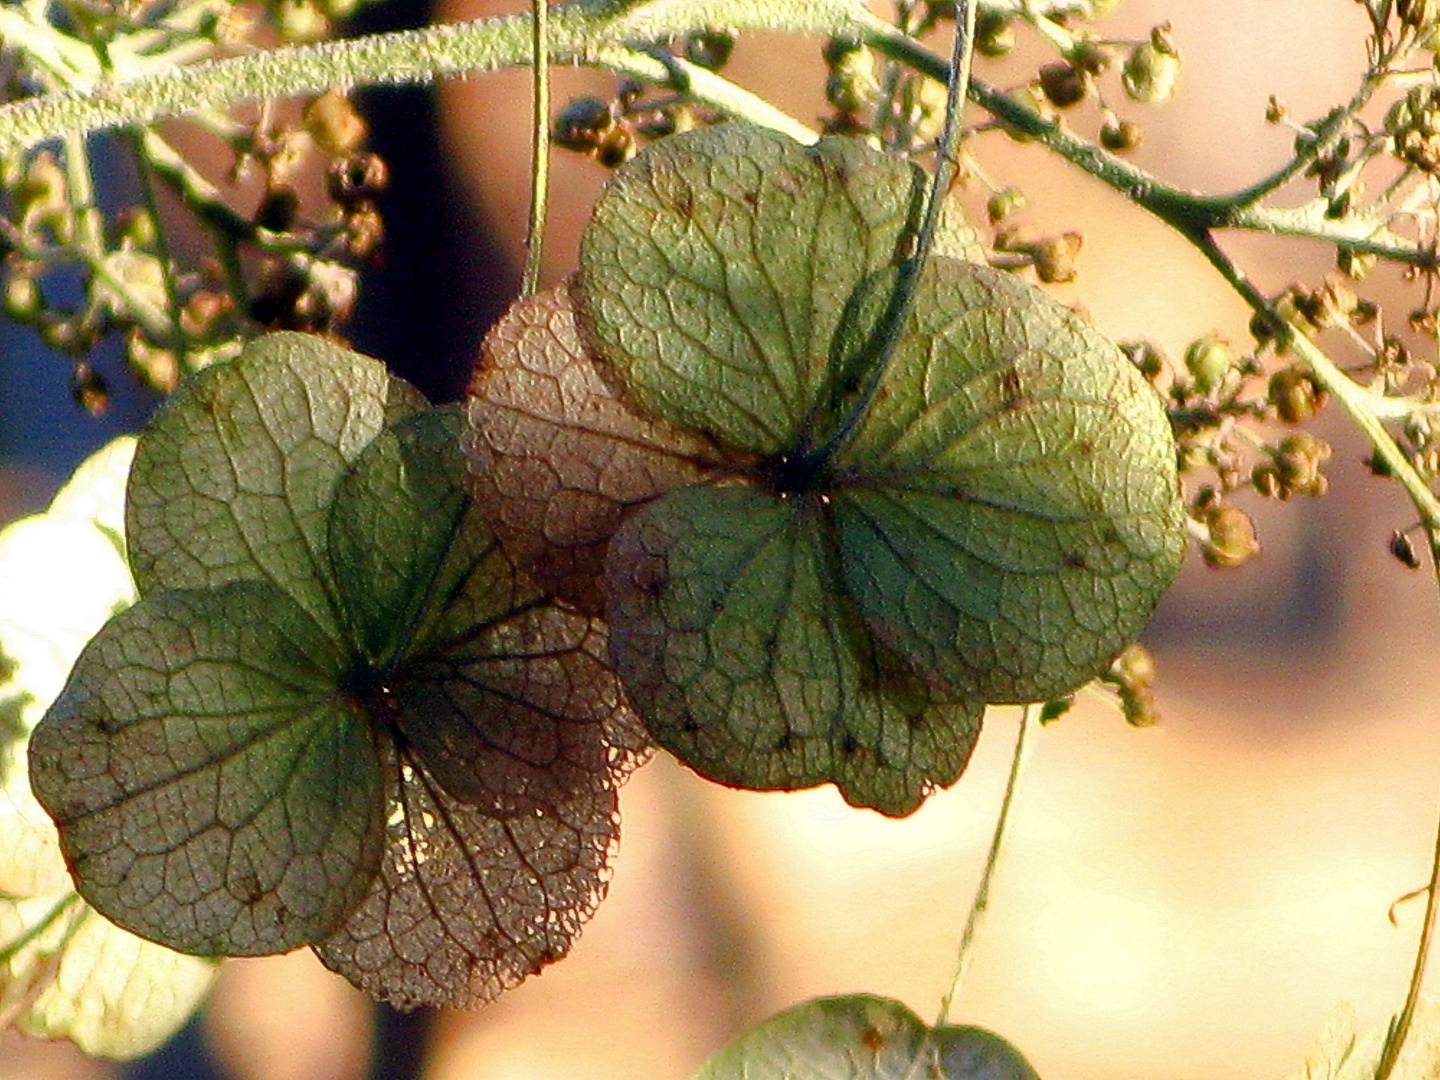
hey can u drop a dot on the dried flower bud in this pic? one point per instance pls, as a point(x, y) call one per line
point(710, 49)
point(360, 176)
point(1403, 548)
point(1231, 541)
point(1147, 356)
point(278, 209)
point(1063, 85)
point(1120, 136)
point(1055, 257)
point(334, 124)
point(1421, 14)
point(583, 125)
point(88, 389)
point(1295, 395)
point(364, 232)
point(1276, 111)
point(1209, 360)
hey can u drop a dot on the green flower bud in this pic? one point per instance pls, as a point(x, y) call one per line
point(1353, 264)
point(1299, 459)
point(1209, 360)
point(137, 226)
point(1092, 57)
point(994, 36)
point(1231, 541)
point(1133, 675)
point(852, 84)
point(22, 297)
point(1265, 478)
point(1004, 203)
point(301, 21)
point(1147, 356)
point(1151, 72)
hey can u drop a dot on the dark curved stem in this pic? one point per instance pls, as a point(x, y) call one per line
point(957, 75)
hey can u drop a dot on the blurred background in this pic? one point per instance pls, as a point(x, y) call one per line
point(1177, 903)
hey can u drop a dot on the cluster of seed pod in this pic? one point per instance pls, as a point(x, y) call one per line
point(612, 132)
point(287, 262)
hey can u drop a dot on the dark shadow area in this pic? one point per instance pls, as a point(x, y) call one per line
point(442, 281)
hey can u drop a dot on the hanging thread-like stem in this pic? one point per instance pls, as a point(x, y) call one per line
point(1029, 722)
point(540, 151)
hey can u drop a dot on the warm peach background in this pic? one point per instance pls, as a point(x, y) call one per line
point(1180, 903)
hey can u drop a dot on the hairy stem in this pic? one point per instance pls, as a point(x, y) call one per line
point(1029, 723)
point(583, 32)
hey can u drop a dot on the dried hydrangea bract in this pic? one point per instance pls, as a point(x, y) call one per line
point(337, 715)
point(867, 557)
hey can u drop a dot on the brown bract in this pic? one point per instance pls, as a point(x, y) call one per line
point(468, 901)
point(557, 457)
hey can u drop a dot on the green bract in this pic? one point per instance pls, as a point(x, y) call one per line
point(863, 1038)
point(819, 564)
point(337, 715)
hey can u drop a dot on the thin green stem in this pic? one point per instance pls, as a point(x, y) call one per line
point(908, 277)
point(1029, 724)
point(539, 150)
point(136, 144)
point(1185, 211)
point(226, 226)
point(1359, 404)
point(13, 947)
point(1395, 1041)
